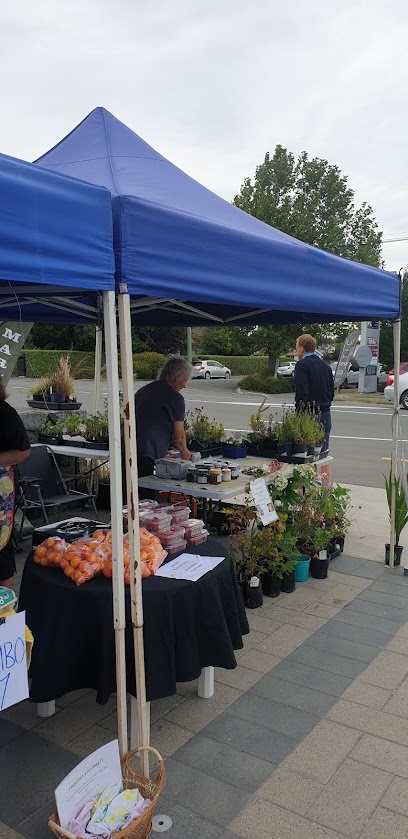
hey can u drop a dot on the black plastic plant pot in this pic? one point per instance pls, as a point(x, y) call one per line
point(299, 448)
point(319, 568)
point(271, 585)
point(49, 440)
point(103, 501)
point(340, 539)
point(252, 595)
point(286, 448)
point(288, 583)
point(397, 554)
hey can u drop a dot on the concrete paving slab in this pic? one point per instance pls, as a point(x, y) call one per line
point(369, 720)
point(396, 796)
point(387, 671)
point(339, 595)
point(250, 738)
point(293, 618)
point(295, 696)
point(266, 623)
point(223, 761)
point(48, 764)
point(322, 751)
point(321, 680)
point(375, 751)
point(36, 826)
point(323, 610)
point(208, 797)
point(358, 634)
point(398, 703)
point(9, 731)
point(23, 714)
point(75, 719)
point(90, 740)
point(274, 716)
point(167, 737)
point(286, 639)
point(341, 646)
point(388, 612)
point(195, 713)
point(384, 824)
point(257, 660)
point(369, 569)
point(160, 707)
point(73, 696)
point(301, 598)
point(369, 695)
point(188, 688)
point(377, 622)
point(262, 819)
point(241, 678)
point(328, 661)
point(391, 585)
point(290, 790)
point(7, 832)
point(398, 645)
point(345, 563)
point(397, 601)
point(350, 797)
point(187, 824)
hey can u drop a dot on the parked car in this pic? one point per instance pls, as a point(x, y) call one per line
point(286, 368)
point(403, 368)
point(210, 370)
point(402, 388)
point(352, 377)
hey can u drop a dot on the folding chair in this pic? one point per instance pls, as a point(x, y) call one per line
point(43, 486)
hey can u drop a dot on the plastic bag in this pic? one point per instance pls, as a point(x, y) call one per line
point(50, 552)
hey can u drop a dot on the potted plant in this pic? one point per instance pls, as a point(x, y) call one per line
point(234, 447)
point(202, 434)
point(40, 392)
point(61, 383)
point(285, 433)
point(103, 487)
point(313, 434)
point(245, 555)
point(276, 548)
point(73, 430)
point(261, 435)
point(51, 433)
point(97, 431)
point(400, 518)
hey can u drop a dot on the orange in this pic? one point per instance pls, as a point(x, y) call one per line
point(50, 542)
point(99, 535)
point(41, 550)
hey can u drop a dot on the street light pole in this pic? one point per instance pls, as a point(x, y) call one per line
point(189, 344)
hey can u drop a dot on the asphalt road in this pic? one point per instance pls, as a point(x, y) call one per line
point(360, 439)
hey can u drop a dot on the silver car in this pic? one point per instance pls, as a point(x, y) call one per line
point(286, 368)
point(352, 377)
point(210, 370)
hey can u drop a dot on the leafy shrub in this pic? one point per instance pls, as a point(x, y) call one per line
point(266, 384)
point(146, 365)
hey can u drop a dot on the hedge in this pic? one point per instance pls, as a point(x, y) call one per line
point(40, 363)
point(267, 384)
point(146, 365)
point(240, 365)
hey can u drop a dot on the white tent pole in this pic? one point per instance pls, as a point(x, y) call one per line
point(125, 334)
point(118, 582)
point(394, 450)
point(98, 366)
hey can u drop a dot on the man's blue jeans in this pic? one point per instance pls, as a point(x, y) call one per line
point(326, 421)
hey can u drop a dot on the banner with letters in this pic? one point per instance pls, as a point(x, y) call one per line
point(13, 336)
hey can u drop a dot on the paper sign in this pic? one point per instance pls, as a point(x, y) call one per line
point(263, 502)
point(189, 567)
point(13, 664)
point(98, 771)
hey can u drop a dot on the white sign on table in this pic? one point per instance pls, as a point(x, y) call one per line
point(189, 567)
point(263, 502)
point(13, 663)
point(99, 770)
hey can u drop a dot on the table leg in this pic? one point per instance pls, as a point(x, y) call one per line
point(205, 683)
point(134, 734)
point(46, 709)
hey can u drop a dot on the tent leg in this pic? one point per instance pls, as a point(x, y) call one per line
point(98, 366)
point(394, 450)
point(125, 333)
point(118, 583)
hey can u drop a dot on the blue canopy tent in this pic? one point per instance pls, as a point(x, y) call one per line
point(57, 265)
point(188, 257)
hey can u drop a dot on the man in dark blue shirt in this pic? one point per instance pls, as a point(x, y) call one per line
point(314, 387)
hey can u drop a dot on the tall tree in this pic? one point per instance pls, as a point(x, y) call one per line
point(309, 199)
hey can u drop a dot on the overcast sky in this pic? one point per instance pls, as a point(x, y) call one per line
point(214, 84)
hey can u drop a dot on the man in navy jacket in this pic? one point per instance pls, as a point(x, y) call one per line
point(314, 387)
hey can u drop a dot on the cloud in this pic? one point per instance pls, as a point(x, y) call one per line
point(215, 86)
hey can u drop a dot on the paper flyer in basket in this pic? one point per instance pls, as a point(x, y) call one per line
point(263, 502)
point(98, 771)
point(189, 567)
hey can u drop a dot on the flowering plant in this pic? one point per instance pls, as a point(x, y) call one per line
point(199, 427)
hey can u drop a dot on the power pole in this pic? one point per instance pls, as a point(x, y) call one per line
point(189, 344)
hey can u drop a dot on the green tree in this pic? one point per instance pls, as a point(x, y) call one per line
point(228, 340)
point(47, 336)
point(309, 199)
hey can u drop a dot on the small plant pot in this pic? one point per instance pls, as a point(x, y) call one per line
point(252, 595)
point(319, 568)
point(234, 452)
point(302, 568)
point(58, 398)
point(288, 582)
point(314, 450)
point(271, 585)
point(299, 448)
point(49, 440)
point(397, 554)
point(286, 449)
point(340, 539)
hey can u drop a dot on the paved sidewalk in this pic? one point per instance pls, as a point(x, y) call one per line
point(307, 737)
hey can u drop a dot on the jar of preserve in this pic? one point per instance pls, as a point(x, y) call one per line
point(202, 476)
point(235, 473)
point(215, 476)
point(226, 473)
point(191, 475)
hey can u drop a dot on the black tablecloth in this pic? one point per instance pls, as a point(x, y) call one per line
point(187, 626)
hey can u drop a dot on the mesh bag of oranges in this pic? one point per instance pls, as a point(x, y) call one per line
point(151, 555)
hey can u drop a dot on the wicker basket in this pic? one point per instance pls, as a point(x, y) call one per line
point(149, 788)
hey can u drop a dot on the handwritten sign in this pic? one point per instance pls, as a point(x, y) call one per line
point(263, 502)
point(13, 667)
point(189, 567)
point(99, 770)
